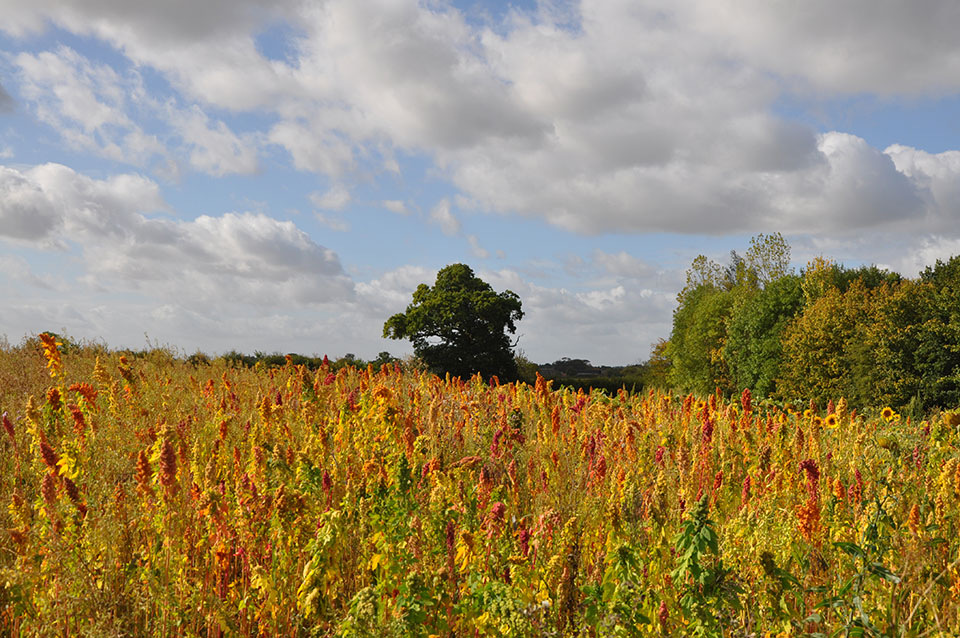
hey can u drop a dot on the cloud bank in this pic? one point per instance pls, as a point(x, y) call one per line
point(204, 263)
point(599, 117)
point(613, 117)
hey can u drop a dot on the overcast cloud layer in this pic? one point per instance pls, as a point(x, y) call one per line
point(600, 118)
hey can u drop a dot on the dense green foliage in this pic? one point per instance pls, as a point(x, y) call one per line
point(276, 359)
point(866, 334)
point(753, 340)
point(938, 351)
point(716, 298)
point(580, 374)
point(460, 325)
point(697, 340)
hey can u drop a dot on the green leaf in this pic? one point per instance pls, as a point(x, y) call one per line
point(833, 603)
point(787, 578)
point(851, 549)
point(846, 587)
point(884, 573)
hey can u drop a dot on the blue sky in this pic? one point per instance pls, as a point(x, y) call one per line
point(279, 176)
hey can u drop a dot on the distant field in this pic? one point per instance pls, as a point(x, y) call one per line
point(150, 497)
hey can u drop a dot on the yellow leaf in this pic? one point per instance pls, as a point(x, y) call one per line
point(377, 558)
point(463, 556)
point(68, 466)
point(543, 593)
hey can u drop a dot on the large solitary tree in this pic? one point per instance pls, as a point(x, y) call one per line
point(460, 325)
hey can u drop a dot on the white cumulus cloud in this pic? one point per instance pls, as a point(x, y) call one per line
point(395, 206)
point(607, 116)
point(87, 103)
point(243, 258)
point(336, 198)
point(444, 217)
point(476, 249)
point(844, 47)
point(213, 147)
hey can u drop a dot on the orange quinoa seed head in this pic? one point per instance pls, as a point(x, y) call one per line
point(79, 425)
point(48, 488)
point(8, 426)
point(839, 492)
point(913, 522)
point(50, 457)
point(53, 398)
point(71, 489)
point(144, 474)
point(50, 344)
point(168, 463)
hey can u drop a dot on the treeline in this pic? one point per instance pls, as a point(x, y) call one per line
point(580, 374)
point(233, 358)
point(565, 372)
point(311, 363)
point(866, 334)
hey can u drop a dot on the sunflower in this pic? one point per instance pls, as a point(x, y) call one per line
point(887, 413)
point(832, 421)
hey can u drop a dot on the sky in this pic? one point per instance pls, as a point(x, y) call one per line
point(279, 176)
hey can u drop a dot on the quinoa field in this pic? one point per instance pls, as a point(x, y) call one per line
point(145, 496)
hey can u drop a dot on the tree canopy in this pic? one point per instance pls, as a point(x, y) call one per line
point(460, 325)
point(866, 334)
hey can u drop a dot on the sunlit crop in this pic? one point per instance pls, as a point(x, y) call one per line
point(147, 497)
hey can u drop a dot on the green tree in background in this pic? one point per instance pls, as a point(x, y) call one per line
point(822, 345)
point(695, 349)
point(768, 258)
point(854, 337)
point(883, 362)
point(658, 365)
point(938, 355)
point(753, 348)
point(460, 325)
point(713, 297)
point(698, 328)
point(702, 273)
point(866, 334)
